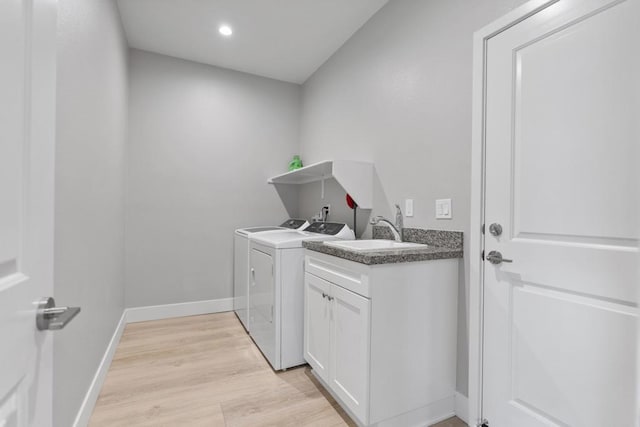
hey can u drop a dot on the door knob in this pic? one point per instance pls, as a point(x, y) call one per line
point(495, 229)
point(495, 257)
point(49, 317)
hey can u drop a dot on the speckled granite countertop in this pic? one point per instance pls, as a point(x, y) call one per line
point(442, 245)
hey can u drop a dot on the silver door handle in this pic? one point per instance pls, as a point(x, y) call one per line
point(495, 257)
point(49, 317)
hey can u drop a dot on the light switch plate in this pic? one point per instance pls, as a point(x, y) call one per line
point(443, 209)
point(408, 207)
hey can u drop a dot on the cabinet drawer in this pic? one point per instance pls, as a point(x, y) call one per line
point(347, 274)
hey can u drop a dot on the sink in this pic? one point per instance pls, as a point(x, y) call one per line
point(373, 245)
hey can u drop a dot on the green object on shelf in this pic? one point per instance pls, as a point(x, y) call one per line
point(294, 164)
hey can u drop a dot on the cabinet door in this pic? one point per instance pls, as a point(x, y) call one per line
point(261, 301)
point(316, 324)
point(350, 350)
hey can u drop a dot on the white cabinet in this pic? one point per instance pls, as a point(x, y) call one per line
point(349, 349)
point(382, 339)
point(317, 327)
point(336, 340)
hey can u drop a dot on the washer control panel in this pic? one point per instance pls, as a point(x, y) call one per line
point(329, 228)
point(294, 223)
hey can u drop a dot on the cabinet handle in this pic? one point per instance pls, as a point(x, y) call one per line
point(324, 295)
point(330, 298)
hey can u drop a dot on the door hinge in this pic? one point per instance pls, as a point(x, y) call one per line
point(483, 423)
point(482, 229)
point(482, 255)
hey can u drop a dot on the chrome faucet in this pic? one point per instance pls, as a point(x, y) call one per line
point(397, 229)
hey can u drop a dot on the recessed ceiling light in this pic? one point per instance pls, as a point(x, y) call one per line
point(225, 30)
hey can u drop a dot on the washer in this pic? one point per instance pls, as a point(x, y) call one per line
point(276, 290)
point(241, 263)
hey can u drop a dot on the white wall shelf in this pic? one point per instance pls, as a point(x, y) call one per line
point(355, 177)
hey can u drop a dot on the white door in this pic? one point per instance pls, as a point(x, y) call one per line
point(350, 349)
point(261, 299)
point(317, 324)
point(561, 180)
point(27, 130)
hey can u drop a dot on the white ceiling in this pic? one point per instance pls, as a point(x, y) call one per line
point(282, 39)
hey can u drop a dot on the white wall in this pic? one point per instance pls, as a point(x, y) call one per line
point(398, 93)
point(202, 143)
point(89, 204)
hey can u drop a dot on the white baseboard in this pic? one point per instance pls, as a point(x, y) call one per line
point(141, 314)
point(167, 311)
point(427, 415)
point(90, 399)
point(462, 407)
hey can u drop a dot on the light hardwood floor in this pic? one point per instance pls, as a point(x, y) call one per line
point(206, 371)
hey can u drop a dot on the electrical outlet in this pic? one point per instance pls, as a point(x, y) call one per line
point(408, 207)
point(443, 209)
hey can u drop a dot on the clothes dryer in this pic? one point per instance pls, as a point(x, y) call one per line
point(241, 263)
point(276, 290)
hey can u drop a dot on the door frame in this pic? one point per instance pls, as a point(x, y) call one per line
point(476, 236)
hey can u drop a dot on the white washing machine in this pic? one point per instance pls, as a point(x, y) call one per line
point(276, 290)
point(241, 263)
